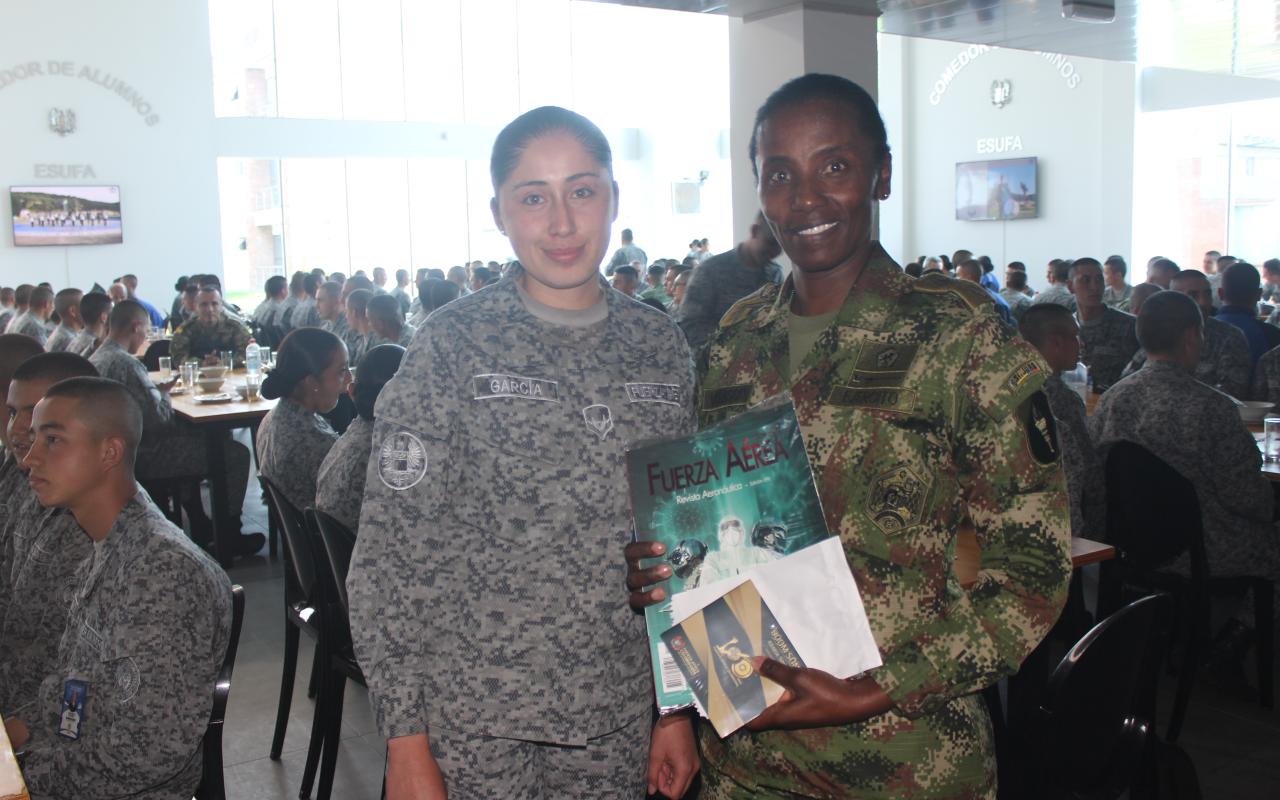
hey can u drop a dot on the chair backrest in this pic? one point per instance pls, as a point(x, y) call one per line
point(1153, 513)
point(212, 786)
point(157, 349)
point(297, 540)
point(339, 543)
point(1100, 702)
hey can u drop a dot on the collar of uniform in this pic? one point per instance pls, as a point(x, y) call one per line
point(868, 303)
point(112, 344)
point(122, 529)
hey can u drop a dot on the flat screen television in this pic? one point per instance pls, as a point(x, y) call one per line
point(991, 190)
point(65, 215)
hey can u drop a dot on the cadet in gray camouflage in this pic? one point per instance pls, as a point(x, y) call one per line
point(1198, 432)
point(292, 443)
point(169, 449)
point(724, 279)
point(148, 629)
point(1110, 341)
point(1224, 361)
point(340, 483)
point(504, 434)
point(48, 546)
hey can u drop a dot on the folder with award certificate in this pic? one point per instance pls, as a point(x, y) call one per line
point(736, 502)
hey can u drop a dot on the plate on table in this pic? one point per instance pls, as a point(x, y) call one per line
point(221, 397)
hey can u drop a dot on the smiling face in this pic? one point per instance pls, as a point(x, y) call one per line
point(557, 206)
point(818, 183)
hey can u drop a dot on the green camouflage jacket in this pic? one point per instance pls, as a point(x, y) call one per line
point(196, 339)
point(919, 406)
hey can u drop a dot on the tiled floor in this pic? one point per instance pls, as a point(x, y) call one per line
point(1235, 745)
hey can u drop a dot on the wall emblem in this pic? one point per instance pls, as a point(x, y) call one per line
point(1001, 93)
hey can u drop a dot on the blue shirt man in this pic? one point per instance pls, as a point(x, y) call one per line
point(1240, 291)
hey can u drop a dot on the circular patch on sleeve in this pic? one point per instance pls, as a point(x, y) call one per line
point(128, 680)
point(402, 461)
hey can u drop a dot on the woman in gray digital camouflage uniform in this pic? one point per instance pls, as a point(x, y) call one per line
point(487, 606)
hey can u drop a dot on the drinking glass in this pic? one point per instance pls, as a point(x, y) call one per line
point(228, 359)
point(1271, 439)
point(265, 357)
point(252, 386)
point(189, 370)
point(166, 367)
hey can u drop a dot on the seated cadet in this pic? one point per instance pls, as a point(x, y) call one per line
point(304, 314)
point(1057, 274)
point(340, 482)
point(309, 376)
point(95, 309)
point(626, 279)
point(123, 713)
point(1015, 293)
point(1224, 360)
point(1117, 292)
point(1053, 331)
point(434, 293)
point(266, 314)
point(67, 305)
point(332, 311)
point(358, 319)
point(32, 321)
point(170, 449)
point(1196, 431)
point(45, 546)
point(1139, 296)
point(1239, 294)
point(21, 302)
point(653, 282)
point(8, 306)
point(14, 349)
point(211, 332)
point(1107, 336)
point(1266, 377)
point(386, 323)
point(1160, 271)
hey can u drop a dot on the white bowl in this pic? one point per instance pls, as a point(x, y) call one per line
point(1254, 410)
point(209, 385)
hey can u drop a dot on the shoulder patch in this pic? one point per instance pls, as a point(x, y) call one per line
point(971, 294)
point(744, 308)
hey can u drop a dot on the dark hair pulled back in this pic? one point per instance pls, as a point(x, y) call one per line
point(304, 352)
point(818, 86)
point(515, 138)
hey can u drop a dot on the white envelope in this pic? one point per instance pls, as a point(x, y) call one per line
point(814, 598)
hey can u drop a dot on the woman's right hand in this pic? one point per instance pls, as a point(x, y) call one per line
point(638, 578)
point(412, 772)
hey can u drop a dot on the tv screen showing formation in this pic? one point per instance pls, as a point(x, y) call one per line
point(65, 215)
point(991, 190)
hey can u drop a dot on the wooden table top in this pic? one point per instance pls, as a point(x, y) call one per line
point(968, 558)
point(12, 786)
point(234, 410)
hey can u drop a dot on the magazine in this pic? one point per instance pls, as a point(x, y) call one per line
point(737, 501)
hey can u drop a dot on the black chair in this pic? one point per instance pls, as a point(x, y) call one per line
point(1091, 730)
point(1153, 519)
point(156, 350)
point(337, 545)
point(211, 780)
point(304, 611)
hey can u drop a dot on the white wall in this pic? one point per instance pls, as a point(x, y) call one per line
point(1082, 136)
point(166, 171)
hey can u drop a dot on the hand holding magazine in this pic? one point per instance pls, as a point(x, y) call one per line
point(733, 503)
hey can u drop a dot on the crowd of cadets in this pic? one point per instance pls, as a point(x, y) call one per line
point(314, 445)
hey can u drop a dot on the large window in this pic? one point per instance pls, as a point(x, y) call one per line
point(1208, 179)
point(469, 63)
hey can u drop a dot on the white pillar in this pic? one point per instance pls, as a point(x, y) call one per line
point(766, 51)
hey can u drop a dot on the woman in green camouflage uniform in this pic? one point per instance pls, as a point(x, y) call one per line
point(919, 407)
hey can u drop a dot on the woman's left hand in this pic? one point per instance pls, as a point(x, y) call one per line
point(817, 699)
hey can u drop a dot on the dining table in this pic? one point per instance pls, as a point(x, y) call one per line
point(12, 786)
point(215, 414)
